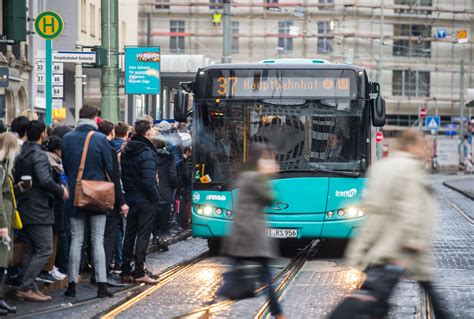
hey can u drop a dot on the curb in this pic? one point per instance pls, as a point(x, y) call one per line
point(460, 191)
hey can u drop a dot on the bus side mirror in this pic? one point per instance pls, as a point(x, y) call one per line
point(187, 86)
point(377, 106)
point(181, 106)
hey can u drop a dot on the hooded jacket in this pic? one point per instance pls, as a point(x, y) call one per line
point(167, 175)
point(139, 169)
point(36, 204)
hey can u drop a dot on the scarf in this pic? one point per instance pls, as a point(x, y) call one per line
point(55, 162)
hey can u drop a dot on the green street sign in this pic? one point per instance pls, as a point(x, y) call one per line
point(49, 25)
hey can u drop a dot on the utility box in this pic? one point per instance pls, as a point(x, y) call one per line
point(100, 56)
point(14, 20)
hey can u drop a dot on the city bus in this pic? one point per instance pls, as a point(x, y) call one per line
point(319, 117)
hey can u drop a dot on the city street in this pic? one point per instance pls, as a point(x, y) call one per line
point(314, 290)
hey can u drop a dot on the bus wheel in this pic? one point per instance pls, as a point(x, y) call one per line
point(214, 245)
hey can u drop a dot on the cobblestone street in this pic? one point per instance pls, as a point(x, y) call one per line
point(316, 289)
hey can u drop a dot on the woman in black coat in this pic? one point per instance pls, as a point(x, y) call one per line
point(167, 183)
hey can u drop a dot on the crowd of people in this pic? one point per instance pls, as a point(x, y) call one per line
point(52, 176)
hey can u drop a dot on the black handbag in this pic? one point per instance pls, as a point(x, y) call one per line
point(240, 282)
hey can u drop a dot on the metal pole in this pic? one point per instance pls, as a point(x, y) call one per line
point(78, 86)
point(110, 80)
point(148, 44)
point(461, 115)
point(49, 81)
point(226, 33)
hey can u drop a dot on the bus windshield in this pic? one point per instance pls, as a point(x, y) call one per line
point(307, 135)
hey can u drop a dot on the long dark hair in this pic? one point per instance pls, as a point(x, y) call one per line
point(256, 152)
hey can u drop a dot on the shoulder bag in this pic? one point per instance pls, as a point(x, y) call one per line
point(90, 194)
point(16, 220)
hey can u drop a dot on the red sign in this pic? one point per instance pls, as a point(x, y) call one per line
point(423, 112)
point(379, 137)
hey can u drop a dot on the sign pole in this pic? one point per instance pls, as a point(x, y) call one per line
point(49, 78)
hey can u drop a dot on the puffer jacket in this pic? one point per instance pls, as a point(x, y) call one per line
point(400, 209)
point(167, 175)
point(139, 170)
point(36, 204)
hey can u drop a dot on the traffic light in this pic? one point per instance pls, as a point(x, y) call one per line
point(14, 20)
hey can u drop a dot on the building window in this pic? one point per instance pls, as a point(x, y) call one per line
point(410, 83)
point(162, 6)
point(285, 41)
point(92, 16)
point(269, 2)
point(216, 4)
point(235, 37)
point(177, 40)
point(83, 16)
point(413, 6)
point(324, 42)
point(416, 42)
point(326, 2)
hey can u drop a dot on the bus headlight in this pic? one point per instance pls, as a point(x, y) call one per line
point(207, 210)
point(341, 213)
point(199, 211)
point(219, 211)
point(228, 213)
point(330, 214)
point(352, 212)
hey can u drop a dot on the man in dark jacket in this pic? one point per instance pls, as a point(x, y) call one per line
point(139, 169)
point(98, 166)
point(167, 184)
point(113, 223)
point(36, 206)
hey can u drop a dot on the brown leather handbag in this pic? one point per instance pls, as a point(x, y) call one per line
point(90, 194)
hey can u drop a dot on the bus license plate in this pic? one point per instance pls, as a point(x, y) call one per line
point(282, 233)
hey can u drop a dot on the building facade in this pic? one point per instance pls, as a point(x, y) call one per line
point(14, 56)
point(410, 46)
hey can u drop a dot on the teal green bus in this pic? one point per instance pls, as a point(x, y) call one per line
point(319, 117)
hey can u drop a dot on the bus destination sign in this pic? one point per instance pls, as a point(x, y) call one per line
point(275, 87)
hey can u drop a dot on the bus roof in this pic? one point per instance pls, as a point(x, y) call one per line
point(271, 66)
point(294, 61)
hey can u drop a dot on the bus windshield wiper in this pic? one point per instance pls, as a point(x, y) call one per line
point(322, 170)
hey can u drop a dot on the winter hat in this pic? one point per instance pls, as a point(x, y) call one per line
point(164, 126)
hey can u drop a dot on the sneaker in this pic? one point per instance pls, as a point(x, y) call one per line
point(114, 280)
point(57, 275)
point(46, 277)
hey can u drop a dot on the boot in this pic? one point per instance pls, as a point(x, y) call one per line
point(3, 304)
point(103, 291)
point(71, 290)
point(3, 312)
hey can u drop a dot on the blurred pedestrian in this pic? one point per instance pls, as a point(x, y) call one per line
point(395, 241)
point(248, 240)
point(53, 151)
point(139, 171)
point(37, 209)
point(167, 181)
point(113, 222)
point(19, 126)
point(9, 150)
point(3, 127)
point(98, 166)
